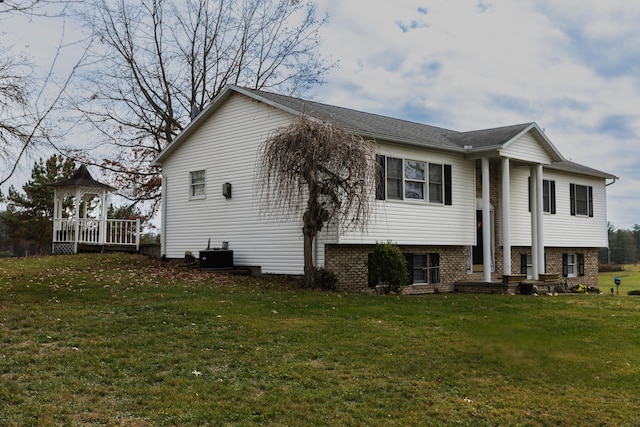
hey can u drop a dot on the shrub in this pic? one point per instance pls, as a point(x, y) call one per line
point(387, 268)
point(606, 268)
point(585, 289)
point(326, 280)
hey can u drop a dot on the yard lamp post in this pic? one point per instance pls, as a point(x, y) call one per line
point(617, 281)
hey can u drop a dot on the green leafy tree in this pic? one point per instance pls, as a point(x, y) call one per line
point(28, 215)
point(123, 212)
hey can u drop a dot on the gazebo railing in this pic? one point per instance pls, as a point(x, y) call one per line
point(120, 232)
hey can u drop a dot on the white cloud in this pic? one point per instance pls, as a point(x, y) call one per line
point(571, 66)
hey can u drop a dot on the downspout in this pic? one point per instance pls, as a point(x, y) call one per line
point(163, 219)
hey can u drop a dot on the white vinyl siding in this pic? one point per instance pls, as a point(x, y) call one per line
point(226, 146)
point(417, 222)
point(527, 148)
point(561, 229)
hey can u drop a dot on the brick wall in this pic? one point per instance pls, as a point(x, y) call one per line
point(349, 264)
point(554, 264)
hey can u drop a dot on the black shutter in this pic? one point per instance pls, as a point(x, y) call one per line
point(565, 265)
point(529, 192)
point(447, 185)
point(590, 201)
point(380, 177)
point(552, 196)
point(572, 197)
point(409, 258)
point(580, 264)
point(523, 264)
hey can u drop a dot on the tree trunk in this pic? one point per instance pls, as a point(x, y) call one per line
point(309, 268)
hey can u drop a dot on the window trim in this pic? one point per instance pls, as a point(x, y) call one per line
point(193, 184)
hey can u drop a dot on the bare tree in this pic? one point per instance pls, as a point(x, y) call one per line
point(322, 171)
point(157, 63)
point(14, 89)
point(28, 98)
point(31, 7)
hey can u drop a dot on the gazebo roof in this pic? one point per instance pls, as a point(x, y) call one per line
point(82, 177)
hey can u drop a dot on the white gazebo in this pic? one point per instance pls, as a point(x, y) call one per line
point(80, 218)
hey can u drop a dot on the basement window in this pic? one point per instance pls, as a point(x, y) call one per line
point(423, 268)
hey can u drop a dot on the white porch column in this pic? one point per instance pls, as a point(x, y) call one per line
point(77, 220)
point(540, 219)
point(506, 216)
point(533, 202)
point(486, 223)
point(104, 197)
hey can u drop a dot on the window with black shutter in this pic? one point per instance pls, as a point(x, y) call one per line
point(548, 196)
point(581, 200)
point(572, 265)
point(401, 179)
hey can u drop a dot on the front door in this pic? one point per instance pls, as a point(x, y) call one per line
point(477, 251)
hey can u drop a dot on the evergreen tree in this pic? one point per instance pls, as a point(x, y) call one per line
point(28, 216)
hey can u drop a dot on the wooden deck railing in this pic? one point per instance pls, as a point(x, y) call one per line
point(119, 232)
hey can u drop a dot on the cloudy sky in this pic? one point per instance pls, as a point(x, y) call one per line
point(572, 66)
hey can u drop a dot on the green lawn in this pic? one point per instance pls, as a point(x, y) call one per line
point(629, 280)
point(122, 340)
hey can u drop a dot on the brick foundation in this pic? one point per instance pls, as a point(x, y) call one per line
point(349, 264)
point(553, 257)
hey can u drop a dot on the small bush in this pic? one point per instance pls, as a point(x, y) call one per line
point(584, 289)
point(387, 268)
point(634, 292)
point(326, 280)
point(606, 268)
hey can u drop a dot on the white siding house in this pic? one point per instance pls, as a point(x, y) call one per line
point(438, 190)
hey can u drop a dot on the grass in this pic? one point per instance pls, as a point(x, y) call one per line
point(629, 280)
point(123, 340)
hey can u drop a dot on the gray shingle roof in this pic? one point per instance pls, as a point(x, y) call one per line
point(572, 167)
point(378, 127)
point(398, 130)
point(82, 177)
point(489, 137)
point(366, 124)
